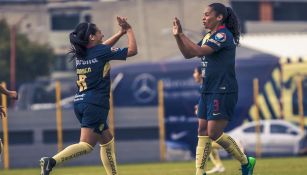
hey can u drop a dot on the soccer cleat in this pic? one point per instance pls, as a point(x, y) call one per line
point(216, 169)
point(46, 163)
point(249, 167)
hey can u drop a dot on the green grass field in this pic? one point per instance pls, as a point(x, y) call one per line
point(267, 166)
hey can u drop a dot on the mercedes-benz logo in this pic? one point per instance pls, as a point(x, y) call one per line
point(144, 88)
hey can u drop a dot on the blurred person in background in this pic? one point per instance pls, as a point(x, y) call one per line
point(91, 104)
point(12, 95)
point(218, 166)
point(219, 88)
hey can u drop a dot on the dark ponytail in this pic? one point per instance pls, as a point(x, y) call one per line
point(230, 19)
point(79, 39)
point(232, 23)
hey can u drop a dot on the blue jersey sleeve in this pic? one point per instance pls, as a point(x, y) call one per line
point(217, 41)
point(106, 52)
point(113, 53)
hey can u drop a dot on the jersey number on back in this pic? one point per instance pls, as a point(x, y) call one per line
point(81, 83)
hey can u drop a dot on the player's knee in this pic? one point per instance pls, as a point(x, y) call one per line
point(105, 137)
point(214, 134)
point(86, 146)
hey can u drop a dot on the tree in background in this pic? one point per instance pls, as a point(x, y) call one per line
point(32, 59)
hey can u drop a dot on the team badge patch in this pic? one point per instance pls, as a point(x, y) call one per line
point(215, 42)
point(114, 49)
point(220, 37)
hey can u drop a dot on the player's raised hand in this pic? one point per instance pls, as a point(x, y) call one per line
point(122, 22)
point(177, 29)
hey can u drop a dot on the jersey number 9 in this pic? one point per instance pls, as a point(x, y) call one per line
point(81, 83)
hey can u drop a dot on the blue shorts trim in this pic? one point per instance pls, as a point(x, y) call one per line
point(217, 106)
point(92, 116)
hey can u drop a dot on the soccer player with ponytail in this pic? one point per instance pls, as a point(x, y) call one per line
point(217, 51)
point(91, 103)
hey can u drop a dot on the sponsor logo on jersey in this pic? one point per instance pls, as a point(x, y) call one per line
point(86, 62)
point(79, 97)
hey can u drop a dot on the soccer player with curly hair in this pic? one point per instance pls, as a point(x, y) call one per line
point(217, 51)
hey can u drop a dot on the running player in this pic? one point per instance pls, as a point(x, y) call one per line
point(219, 90)
point(91, 103)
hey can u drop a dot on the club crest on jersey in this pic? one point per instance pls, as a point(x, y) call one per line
point(220, 37)
point(114, 49)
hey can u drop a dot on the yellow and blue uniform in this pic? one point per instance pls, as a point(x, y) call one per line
point(91, 103)
point(219, 88)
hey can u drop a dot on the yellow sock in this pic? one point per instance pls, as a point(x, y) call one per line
point(215, 145)
point(203, 150)
point(232, 148)
point(215, 157)
point(73, 151)
point(107, 155)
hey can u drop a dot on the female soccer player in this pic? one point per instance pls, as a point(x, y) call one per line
point(214, 155)
point(91, 103)
point(219, 90)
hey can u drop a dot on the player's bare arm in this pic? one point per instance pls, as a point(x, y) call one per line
point(179, 36)
point(188, 48)
point(132, 46)
point(123, 25)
